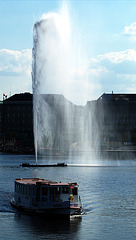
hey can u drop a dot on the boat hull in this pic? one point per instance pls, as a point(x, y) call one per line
point(65, 212)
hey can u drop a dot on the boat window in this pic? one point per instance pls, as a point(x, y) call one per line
point(57, 190)
point(18, 188)
point(15, 187)
point(38, 193)
point(44, 191)
point(74, 191)
point(33, 191)
point(51, 194)
point(65, 189)
point(30, 191)
point(23, 189)
point(26, 190)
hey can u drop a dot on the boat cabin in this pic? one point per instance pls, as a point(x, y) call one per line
point(40, 192)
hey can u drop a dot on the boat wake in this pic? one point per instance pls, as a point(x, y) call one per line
point(86, 211)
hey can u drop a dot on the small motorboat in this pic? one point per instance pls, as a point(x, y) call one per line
point(40, 196)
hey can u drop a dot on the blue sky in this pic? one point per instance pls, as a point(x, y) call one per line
point(107, 31)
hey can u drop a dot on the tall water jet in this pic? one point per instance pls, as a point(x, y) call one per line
point(59, 125)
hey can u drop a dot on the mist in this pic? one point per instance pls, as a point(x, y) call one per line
point(60, 86)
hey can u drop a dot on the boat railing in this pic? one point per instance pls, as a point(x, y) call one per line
point(75, 204)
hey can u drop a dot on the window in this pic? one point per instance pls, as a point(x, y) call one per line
point(33, 191)
point(44, 191)
point(57, 190)
point(15, 187)
point(65, 190)
point(74, 191)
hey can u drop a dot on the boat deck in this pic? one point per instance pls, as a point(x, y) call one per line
point(38, 181)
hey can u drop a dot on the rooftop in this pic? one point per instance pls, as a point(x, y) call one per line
point(38, 181)
point(20, 97)
point(117, 96)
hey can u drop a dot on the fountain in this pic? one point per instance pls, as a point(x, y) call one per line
point(60, 126)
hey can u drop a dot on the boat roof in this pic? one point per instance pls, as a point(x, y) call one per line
point(38, 181)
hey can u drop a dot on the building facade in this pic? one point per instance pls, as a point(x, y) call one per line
point(17, 123)
point(106, 123)
point(117, 121)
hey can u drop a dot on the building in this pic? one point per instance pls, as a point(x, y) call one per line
point(117, 119)
point(17, 123)
point(106, 123)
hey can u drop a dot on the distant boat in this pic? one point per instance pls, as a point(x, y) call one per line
point(39, 196)
point(44, 165)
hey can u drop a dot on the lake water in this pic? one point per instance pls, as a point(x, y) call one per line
point(107, 190)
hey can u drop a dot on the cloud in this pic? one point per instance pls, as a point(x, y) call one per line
point(118, 57)
point(15, 71)
point(123, 62)
point(114, 71)
point(130, 30)
point(15, 63)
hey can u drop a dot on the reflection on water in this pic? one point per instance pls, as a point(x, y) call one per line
point(43, 227)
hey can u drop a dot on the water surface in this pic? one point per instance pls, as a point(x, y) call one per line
point(107, 189)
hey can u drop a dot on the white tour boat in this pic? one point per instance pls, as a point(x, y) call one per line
point(37, 195)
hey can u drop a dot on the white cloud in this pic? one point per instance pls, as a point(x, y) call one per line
point(123, 62)
point(114, 71)
point(118, 57)
point(15, 71)
point(97, 71)
point(130, 30)
point(15, 63)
